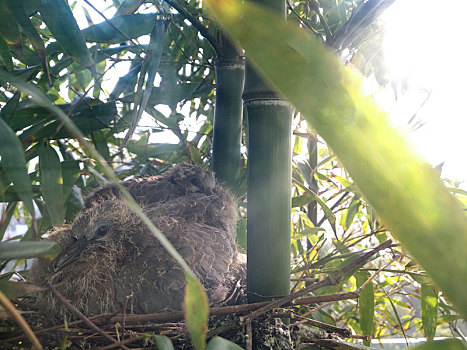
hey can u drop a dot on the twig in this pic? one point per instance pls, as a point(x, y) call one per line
point(197, 24)
point(329, 280)
point(78, 314)
point(121, 343)
point(345, 332)
point(10, 308)
point(127, 299)
point(249, 335)
point(372, 277)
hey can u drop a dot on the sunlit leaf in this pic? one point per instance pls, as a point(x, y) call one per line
point(429, 310)
point(366, 305)
point(405, 191)
point(196, 311)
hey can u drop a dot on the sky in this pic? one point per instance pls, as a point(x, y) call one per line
point(424, 45)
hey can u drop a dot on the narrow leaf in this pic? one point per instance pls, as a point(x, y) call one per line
point(52, 184)
point(152, 60)
point(132, 25)
point(163, 342)
point(5, 219)
point(366, 305)
point(60, 21)
point(429, 310)
point(5, 54)
point(14, 163)
point(218, 343)
point(196, 311)
point(9, 28)
point(18, 11)
point(27, 250)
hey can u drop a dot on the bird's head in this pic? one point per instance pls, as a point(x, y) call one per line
point(99, 227)
point(192, 179)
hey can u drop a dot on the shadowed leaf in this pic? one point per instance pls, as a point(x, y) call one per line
point(52, 184)
point(27, 250)
point(14, 163)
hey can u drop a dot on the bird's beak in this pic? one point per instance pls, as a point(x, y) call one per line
point(68, 255)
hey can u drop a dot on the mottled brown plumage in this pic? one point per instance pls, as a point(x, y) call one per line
point(109, 254)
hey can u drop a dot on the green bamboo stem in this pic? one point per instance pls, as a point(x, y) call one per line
point(269, 202)
point(228, 114)
point(269, 183)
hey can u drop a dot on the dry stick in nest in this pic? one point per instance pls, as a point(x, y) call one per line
point(10, 308)
point(78, 314)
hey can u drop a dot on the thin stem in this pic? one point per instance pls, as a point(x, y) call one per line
point(197, 24)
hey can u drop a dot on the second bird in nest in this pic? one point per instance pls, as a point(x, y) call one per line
point(109, 255)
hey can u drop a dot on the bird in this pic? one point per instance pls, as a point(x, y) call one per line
point(110, 260)
point(180, 181)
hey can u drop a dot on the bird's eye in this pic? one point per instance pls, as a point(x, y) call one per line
point(101, 231)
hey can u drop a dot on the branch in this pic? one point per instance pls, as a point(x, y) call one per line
point(329, 280)
point(197, 24)
point(78, 314)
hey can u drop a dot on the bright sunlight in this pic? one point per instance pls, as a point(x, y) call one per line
point(424, 51)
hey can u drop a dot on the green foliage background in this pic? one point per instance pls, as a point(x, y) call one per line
point(44, 164)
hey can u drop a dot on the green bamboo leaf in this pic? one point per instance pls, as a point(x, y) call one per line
point(18, 11)
point(70, 173)
point(100, 141)
point(196, 311)
point(133, 26)
point(406, 192)
point(127, 82)
point(151, 61)
point(446, 344)
point(429, 310)
point(52, 184)
point(27, 250)
point(218, 343)
point(8, 110)
point(351, 212)
point(366, 305)
point(309, 231)
point(153, 150)
point(309, 197)
point(91, 119)
point(5, 54)
point(74, 203)
point(14, 163)
point(128, 7)
point(9, 28)
point(163, 342)
point(60, 21)
point(6, 217)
